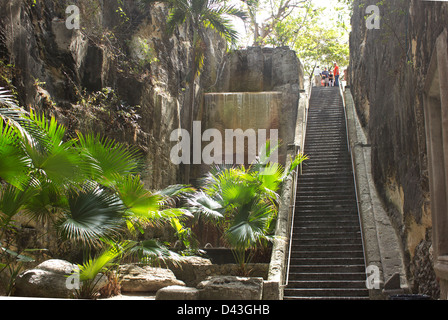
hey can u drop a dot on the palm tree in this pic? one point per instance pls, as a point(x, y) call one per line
point(244, 203)
point(202, 15)
point(88, 187)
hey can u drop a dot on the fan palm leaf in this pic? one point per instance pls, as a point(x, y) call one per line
point(93, 213)
point(90, 269)
point(47, 204)
point(13, 199)
point(144, 207)
point(105, 160)
point(14, 164)
point(7, 99)
point(250, 225)
point(51, 157)
point(153, 252)
point(204, 205)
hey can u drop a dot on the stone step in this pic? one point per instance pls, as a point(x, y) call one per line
point(328, 261)
point(300, 246)
point(320, 220)
point(332, 200)
point(345, 163)
point(326, 231)
point(327, 153)
point(340, 177)
point(327, 208)
point(328, 254)
point(328, 197)
point(321, 189)
point(328, 159)
point(307, 224)
point(327, 292)
point(327, 213)
point(328, 268)
point(327, 241)
point(329, 276)
point(319, 284)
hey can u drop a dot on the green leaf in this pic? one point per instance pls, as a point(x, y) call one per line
point(14, 164)
point(90, 269)
point(250, 225)
point(153, 251)
point(105, 160)
point(13, 199)
point(94, 213)
point(200, 203)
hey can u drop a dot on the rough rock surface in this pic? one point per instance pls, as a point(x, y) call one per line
point(56, 70)
point(177, 293)
point(48, 280)
point(138, 59)
point(257, 69)
point(136, 278)
point(231, 288)
point(387, 72)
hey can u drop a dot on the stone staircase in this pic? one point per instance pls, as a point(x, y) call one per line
point(327, 260)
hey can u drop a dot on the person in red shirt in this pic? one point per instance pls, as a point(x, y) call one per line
point(336, 74)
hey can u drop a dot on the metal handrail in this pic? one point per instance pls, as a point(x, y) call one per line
point(296, 174)
point(297, 170)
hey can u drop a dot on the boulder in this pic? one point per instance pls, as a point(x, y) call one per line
point(231, 288)
point(135, 278)
point(49, 280)
point(177, 293)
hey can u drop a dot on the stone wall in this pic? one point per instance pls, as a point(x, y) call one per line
point(132, 55)
point(259, 69)
point(261, 77)
point(387, 74)
point(53, 69)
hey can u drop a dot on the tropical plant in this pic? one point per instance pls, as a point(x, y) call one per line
point(87, 187)
point(243, 201)
point(201, 15)
point(87, 276)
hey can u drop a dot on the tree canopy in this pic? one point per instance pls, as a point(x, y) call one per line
point(318, 34)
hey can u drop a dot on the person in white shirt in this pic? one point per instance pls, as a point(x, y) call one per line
point(317, 77)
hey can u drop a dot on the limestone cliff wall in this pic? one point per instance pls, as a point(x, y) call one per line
point(387, 73)
point(64, 72)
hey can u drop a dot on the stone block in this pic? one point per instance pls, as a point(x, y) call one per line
point(49, 280)
point(177, 293)
point(136, 278)
point(231, 288)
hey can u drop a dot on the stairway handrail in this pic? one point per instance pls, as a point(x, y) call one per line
point(296, 171)
point(296, 174)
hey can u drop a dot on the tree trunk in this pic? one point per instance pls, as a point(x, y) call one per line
point(191, 103)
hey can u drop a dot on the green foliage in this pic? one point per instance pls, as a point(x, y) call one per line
point(88, 188)
point(203, 15)
point(319, 36)
point(243, 202)
point(88, 273)
point(93, 214)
